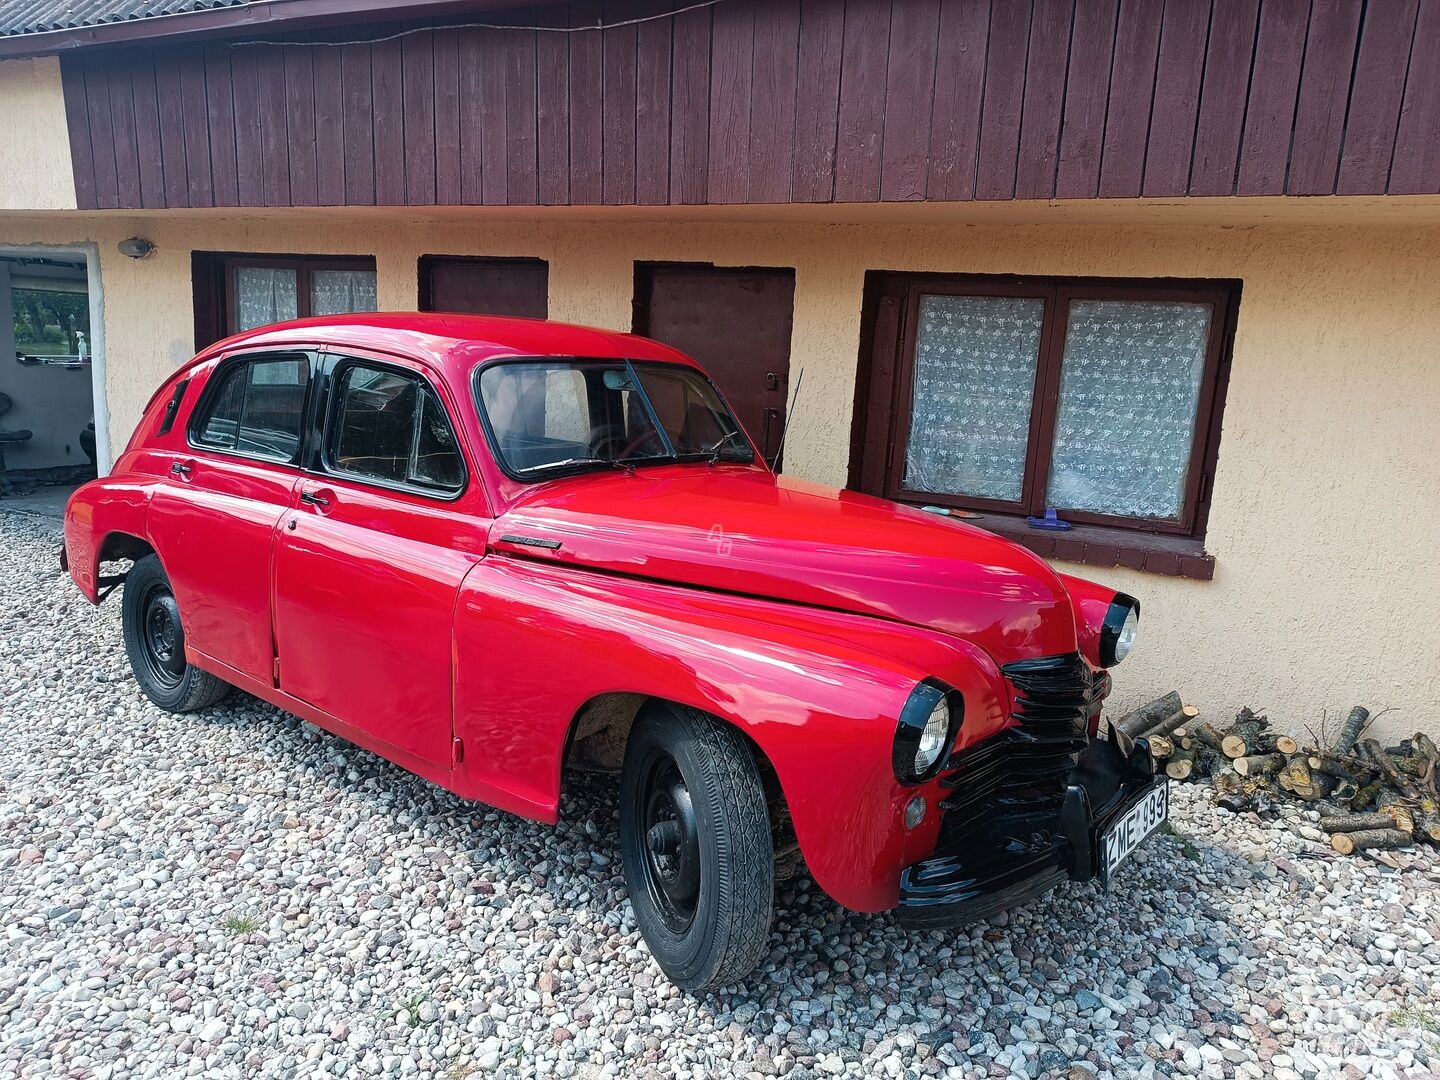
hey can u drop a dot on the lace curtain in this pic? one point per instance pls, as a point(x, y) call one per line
point(333, 292)
point(264, 295)
point(1129, 388)
point(975, 360)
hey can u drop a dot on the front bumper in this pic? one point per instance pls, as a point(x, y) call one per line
point(1016, 850)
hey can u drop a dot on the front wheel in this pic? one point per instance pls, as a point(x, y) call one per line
point(696, 846)
point(155, 643)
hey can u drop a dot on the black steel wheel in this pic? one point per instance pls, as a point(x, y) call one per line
point(155, 642)
point(696, 846)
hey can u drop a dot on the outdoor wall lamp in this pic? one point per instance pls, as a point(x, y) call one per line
point(136, 247)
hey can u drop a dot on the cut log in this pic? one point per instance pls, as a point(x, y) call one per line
point(1370, 840)
point(1173, 723)
point(1206, 735)
point(1356, 822)
point(1243, 737)
point(1351, 730)
point(1393, 806)
point(1344, 790)
point(1160, 746)
point(1366, 795)
point(1180, 768)
point(1259, 764)
point(1397, 780)
point(1138, 720)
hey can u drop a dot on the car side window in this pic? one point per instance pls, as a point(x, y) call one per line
point(258, 409)
point(389, 425)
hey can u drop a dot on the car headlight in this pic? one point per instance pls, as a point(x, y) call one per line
point(926, 730)
point(1117, 633)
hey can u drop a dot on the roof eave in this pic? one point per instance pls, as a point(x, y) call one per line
point(272, 16)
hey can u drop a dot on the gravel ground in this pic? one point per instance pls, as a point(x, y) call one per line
point(238, 894)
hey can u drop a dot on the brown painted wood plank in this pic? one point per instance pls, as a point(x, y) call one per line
point(587, 107)
point(417, 66)
point(194, 109)
point(102, 133)
point(172, 125)
point(1324, 93)
point(448, 188)
point(1216, 157)
point(1178, 72)
point(1045, 71)
point(122, 124)
point(1270, 114)
point(77, 123)
point(1132, 90)
point(1375, 97)
point(772, 108)
point(860, 132)
point(618, 45)
point(817, 100)
point(300, 125)
point(494, 143)
point(959, 93)
point(522, 184)
point(1004, 97)
point(249, 151)
point(356, 82)
point(147, 131)
point(220, 122)
point(1415, 169)
point(387, 103)
point(652, 103)
point(690, 107)
point(732, 59)
point(909, 99)
point(552, 107)
point(470, 47)
point(1087, 91)
point(329, 126)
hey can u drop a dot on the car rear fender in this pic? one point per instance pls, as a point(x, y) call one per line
point(96, 515)
point(819, 692)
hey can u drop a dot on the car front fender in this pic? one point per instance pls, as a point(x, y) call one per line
point(818, 691)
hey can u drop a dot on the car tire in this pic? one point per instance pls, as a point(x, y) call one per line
point(155, 643)
point(696, 846)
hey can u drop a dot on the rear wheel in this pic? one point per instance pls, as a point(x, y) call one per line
point(696, 845)
point(155, 643)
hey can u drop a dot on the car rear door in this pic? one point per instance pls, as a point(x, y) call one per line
point(213, 520)
point(369, 561)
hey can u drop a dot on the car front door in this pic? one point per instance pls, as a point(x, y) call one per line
point(214, 517)
point(370, 558)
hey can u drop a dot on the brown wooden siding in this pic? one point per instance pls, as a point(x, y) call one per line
point(774, 101)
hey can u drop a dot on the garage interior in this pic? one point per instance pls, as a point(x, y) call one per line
point(47, 403)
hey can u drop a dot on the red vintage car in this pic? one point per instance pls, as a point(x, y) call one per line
point(498, 550)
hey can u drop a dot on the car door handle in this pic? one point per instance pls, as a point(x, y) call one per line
point(312, 499)
point(180, 468)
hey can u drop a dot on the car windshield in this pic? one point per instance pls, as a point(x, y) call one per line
point(550, 416)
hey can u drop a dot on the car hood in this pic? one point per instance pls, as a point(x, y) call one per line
point(747, 531)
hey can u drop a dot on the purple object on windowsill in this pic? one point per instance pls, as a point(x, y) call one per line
point(1049, 521)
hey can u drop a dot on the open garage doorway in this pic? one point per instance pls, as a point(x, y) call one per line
point(52, 420)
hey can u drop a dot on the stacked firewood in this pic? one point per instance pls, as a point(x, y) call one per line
point(1369, 796)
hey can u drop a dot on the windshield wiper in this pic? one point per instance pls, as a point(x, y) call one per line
point(715, 448)
point(624, 466)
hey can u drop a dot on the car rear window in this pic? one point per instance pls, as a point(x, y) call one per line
point(257, 409)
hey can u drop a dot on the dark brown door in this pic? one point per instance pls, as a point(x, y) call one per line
point(485, 286)
point(736, 322)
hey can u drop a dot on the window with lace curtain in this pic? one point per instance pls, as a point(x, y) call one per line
point(1099, 400)
point(263, 289)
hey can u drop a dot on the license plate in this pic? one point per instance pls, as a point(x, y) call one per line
point(1134, 826)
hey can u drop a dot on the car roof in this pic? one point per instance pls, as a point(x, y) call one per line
point(448, 339)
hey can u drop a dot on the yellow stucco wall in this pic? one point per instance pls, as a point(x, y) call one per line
point(1326, 510)
point(34, 145)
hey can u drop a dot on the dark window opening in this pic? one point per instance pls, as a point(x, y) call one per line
point(485, 286)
